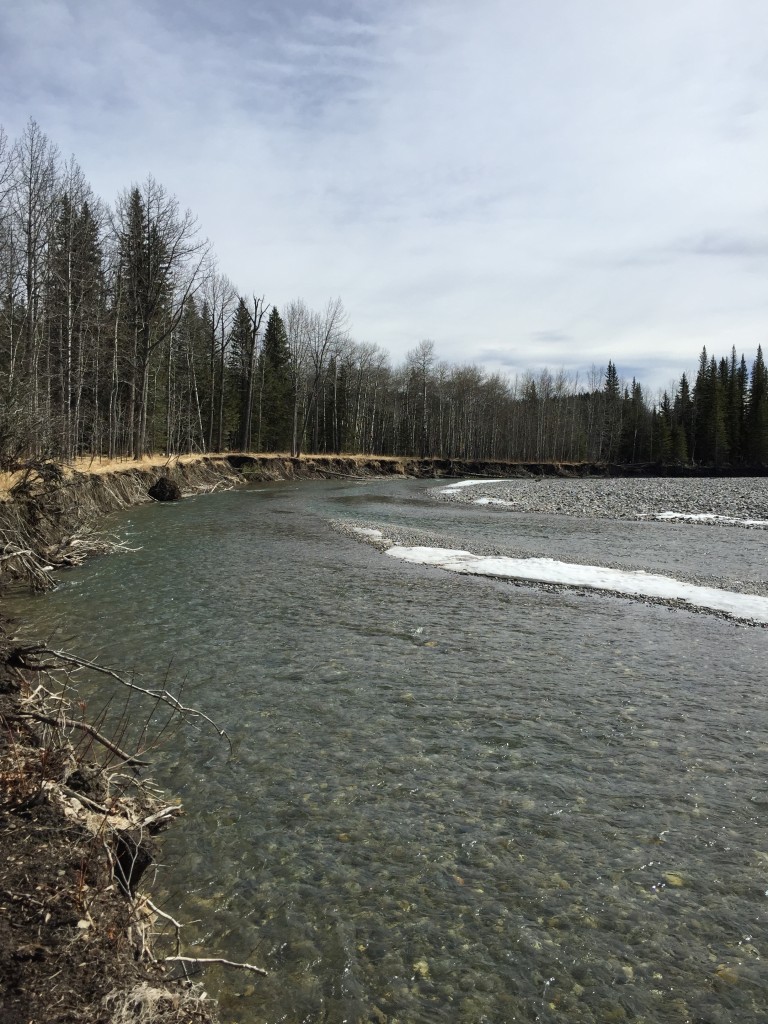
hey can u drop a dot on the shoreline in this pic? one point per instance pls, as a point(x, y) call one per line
point(77, 937)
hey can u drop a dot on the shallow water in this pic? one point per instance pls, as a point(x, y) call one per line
point(450, 799)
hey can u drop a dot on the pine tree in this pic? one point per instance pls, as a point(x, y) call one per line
point(734, 393)
point(635, 437)
point(757, 413)
point(275, 387)
point(698, 446)
point(612, 414)
point(683, 413)
point(163, 261)
point(241, 355)
point(662, 432)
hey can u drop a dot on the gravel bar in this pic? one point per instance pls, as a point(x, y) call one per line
point(741, 498)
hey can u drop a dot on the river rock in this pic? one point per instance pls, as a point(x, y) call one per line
point(165, 489)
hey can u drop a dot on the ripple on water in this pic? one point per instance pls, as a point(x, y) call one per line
point(448, 799)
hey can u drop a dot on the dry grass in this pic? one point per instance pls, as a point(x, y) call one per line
point(98, 465)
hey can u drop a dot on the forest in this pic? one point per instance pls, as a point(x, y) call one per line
point(120, 336)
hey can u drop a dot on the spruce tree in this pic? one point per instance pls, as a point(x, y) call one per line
point(683, 410)
point(757, 414)
point(275, 387)
point(240, 345)
point(612, 414)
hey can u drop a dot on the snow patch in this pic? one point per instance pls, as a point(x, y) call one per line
point(468, 483)
point(547, 570)
point(371, 534)
point(702, 517)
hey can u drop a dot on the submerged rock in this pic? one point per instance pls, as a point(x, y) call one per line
point(165, 489)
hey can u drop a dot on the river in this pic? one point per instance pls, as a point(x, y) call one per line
point(449, 798)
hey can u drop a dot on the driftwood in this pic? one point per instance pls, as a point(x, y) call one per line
point(214, 960)
point(24, 563)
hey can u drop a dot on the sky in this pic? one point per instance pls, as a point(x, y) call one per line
point(553, 183)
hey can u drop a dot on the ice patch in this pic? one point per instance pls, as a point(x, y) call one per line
point(365, 532)
point(493, 501)
point(702, 517)
point(618, 581)
point(468, 483)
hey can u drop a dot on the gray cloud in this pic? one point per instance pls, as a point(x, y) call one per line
point(466, 179)
point(728, 245)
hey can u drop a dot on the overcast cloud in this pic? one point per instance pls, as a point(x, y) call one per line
point(527, 184)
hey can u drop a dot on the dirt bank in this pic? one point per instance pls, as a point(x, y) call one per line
point(75, 933)
point(326, 467)
point(77, 827)
point(322, 467)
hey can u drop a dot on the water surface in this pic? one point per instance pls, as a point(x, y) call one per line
point(450, 798)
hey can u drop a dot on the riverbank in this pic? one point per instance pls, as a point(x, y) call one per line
point(48, 512)
point(76, 833)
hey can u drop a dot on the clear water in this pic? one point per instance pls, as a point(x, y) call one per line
point(449, 798)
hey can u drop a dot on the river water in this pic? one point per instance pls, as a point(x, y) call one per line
point(449, 798)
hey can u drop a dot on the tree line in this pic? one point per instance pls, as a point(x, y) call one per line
point(120, 336)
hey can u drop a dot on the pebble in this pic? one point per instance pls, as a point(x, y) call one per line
point(622, 498)
point(738, 498)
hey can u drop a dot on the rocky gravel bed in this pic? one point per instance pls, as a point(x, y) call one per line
point(739, 498)
point(737, 502)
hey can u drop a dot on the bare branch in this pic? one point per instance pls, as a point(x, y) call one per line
point(161, 695)
point(70, 723)
point(215, 960)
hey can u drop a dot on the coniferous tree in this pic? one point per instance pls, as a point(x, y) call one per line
point(275, 387)
point(612, 414)
point(717, 438)
point(662, 445)
point(635, 437)
point(683, 411)
point(241, 343)
point(163, 262)
point(734, 396)
point(757, 415)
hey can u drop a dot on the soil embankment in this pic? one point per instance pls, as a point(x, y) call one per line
point(76, 822)
point(47, 512)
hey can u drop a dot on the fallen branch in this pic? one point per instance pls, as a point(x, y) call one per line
point(63, 723)
point(161, 817)
point(215, 960)
point(86, 800)
point(161, 913)
point(26, 564)
point(162, 695)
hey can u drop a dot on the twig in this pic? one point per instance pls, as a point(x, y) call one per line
point(84, 800)
point(162, 695)
point(70, 723)
point(161, 816)
point(161, 913)
point(215, 960)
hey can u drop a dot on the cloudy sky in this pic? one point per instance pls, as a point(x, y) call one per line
point(557, 183)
